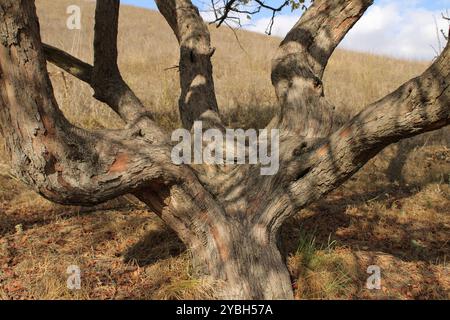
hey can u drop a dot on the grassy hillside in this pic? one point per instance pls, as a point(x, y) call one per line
point(394, 213)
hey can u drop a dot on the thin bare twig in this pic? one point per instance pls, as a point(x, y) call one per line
point(231, 9)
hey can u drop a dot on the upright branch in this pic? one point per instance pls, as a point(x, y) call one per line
point(68, 63)
point(300, 62)
point(198, 98)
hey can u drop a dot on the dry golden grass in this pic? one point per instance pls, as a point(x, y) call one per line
point(394, 213)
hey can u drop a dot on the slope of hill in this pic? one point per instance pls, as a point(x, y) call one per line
point(394, 213)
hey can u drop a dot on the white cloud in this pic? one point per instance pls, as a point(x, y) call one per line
point(395, 30)
point(281, 26)
point(400, 29)
point(208, 15)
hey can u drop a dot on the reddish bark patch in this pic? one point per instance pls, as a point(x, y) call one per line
point(345, 133)
point(120, 164)
point(48, 123)
point(323, 151)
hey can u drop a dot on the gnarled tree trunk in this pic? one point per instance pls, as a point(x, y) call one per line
point(228, 216)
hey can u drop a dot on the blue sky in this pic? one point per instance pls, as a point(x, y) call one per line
point(400, 28)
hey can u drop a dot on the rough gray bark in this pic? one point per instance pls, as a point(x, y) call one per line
point(298, 66)
point(228, 216)
point(198, 97)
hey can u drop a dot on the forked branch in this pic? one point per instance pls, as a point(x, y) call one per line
point(418, 106)
point(315, 167)
point(228, 219)
point(107, 80)
point(104, 77)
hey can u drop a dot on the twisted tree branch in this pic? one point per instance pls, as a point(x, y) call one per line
point(68, 63)
point(64, 163)
point(420, 105)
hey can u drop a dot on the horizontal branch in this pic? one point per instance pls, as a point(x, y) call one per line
point(224, 12)
point(68, 63)
point(116, 94)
